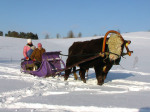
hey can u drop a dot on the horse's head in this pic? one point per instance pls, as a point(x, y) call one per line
point(116, 44)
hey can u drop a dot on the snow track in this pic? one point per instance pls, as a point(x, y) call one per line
point(42, 87)
point(53, 108)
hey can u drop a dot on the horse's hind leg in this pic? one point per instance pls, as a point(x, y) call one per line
point(87, 70)
point(74, 72)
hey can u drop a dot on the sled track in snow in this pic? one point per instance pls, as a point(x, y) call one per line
point(39, 86)
point(46, 87)
point(62, 108)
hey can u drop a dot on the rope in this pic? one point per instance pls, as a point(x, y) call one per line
point(91, 54)
point(96, 55)
point(115, 54)
point(80, 55)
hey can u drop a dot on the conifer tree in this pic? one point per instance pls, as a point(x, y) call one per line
point(80, 34)
point(57, 36)
point(1, 33)
point(70, 34)
point(47, 36)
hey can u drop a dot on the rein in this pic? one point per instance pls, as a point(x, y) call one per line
point(80, 55)
point(106, 53)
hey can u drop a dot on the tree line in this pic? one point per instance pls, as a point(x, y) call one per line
point(20, 34)
point(35, 36)
point(31, 35)
point(69, 35)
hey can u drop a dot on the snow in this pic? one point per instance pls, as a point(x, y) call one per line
point(126, 89)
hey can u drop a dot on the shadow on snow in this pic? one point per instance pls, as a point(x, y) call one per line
point(112, 76)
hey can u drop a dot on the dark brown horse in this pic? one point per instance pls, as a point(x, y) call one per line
point(112, 48)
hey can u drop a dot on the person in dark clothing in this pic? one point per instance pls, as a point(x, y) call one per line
point(36, 56)
point(37, 53)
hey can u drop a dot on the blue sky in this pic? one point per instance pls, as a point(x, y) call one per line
point(86, 16)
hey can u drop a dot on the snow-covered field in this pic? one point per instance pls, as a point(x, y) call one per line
point(126, 89)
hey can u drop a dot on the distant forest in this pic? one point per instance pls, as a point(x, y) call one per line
point(20, 35)
point(35, 36)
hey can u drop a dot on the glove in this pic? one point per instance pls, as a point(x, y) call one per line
point(34, 60)
point(27, 58)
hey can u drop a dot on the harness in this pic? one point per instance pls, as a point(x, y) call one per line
point(103, 53)
point(100, 54)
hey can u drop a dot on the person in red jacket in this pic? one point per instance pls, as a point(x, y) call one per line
point(28, 49)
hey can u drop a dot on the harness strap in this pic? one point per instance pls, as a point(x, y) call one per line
point(104, 41)
point(101, 54)
point(80, 55)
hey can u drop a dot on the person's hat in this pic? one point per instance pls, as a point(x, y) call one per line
point(29, 41)
point(39, 45)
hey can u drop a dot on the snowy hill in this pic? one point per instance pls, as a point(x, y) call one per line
point(126, 89)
